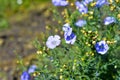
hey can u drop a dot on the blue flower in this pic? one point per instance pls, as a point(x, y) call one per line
point(60, 2)
point(80, 23)
point(69, 36)
point(81, 7)
point(70, 39)
point(101, 47)
point(25, 76)
point(32, 69)
point(85, 2)
point(109, 20)
point(100, 3)
point(53, 41)
point(67, 29)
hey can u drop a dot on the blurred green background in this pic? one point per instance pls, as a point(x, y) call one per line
point(20, 24)
point(11, 7)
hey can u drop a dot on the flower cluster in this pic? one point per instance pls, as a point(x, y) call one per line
point(83, 44)
point(81, 7)
point(26, 74)
point(69, 36)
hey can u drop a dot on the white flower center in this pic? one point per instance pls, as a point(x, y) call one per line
point(53, 42)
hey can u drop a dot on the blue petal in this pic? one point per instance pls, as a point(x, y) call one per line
point(25, 76)
point(60, 2)
point(70, 37)
point(32, 68)
point(100, 3)
point(109, 20)
point(80, 23)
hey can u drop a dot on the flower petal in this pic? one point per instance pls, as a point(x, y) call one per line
point(57, 37)
point(60, 2)
point(50, 38)
point(80, 23)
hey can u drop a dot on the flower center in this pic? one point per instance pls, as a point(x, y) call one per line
point(54, 42)
point(102, 47)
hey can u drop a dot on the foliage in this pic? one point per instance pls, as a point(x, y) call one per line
point(3, 24)
point(81, 60)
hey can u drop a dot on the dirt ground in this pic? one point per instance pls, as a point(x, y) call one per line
point(24, 28)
